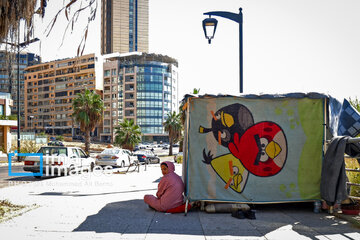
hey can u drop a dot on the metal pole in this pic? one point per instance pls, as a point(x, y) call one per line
point(241, 50)
point(18, 91)
point(236, 18)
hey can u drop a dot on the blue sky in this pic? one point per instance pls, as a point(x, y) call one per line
point(289, 45)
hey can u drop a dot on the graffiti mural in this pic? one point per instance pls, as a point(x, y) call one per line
point(254, 150)
point(260, 148)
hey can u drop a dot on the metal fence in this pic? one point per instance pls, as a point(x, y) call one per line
point(356, 171)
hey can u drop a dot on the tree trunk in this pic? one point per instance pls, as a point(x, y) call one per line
point(181, 146)
point(125, 142)
point(87, 141)
point(171, 144)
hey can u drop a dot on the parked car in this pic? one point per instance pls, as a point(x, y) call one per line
point(56, 143)
point(59, 160)
point(115, 157)
point(147, 156)
point(132, 155)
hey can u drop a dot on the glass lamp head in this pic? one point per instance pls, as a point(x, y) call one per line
point(209, 27)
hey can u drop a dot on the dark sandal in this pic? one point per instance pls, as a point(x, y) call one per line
point(238, 214)
point(250, 214)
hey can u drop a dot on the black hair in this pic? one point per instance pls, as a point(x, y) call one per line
point(164, 164)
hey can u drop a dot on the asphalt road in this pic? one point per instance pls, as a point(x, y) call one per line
point(6, 180)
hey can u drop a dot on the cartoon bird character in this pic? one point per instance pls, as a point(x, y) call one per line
point(230, 170)
point(227, 121)
point(260, 148)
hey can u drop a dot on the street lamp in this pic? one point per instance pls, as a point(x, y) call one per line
point(18, 45)
point(209, 27)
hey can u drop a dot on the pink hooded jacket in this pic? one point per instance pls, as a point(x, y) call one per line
point(170, 191)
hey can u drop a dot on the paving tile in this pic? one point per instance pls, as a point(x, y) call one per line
point(232, 234)
point(353, 235)
point(176, 222)
point(175, 236)
point(285, 232)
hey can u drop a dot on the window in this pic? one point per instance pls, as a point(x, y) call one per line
point(74, 152)
point(81, 153)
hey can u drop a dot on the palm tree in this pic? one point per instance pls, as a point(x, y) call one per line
point(174, 127)
point(128, 134)
point(88, 108)
point(182, 118)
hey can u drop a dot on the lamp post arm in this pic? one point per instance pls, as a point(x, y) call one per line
point(237, 18)
point(229, 15)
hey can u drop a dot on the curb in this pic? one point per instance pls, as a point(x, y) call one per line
point(354, 219)
point(12, 164)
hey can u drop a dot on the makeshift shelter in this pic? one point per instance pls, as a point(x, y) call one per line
point(257, 148)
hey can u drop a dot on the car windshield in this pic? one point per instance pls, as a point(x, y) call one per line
point(141, 152)
point(53, 151)
point(110, 151)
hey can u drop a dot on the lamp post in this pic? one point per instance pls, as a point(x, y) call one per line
point(18, 45)
point(209, 26)
point(23, 44)
point(31, 122)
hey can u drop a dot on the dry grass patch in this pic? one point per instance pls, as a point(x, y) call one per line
point(9, 210)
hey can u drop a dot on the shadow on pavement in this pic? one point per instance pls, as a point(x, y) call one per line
point(274, 221)
point(135, 217)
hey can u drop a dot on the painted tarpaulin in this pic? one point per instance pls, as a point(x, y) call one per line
point(254, 150)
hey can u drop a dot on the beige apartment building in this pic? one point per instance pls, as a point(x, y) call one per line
point(50, 89)
point(124, 26)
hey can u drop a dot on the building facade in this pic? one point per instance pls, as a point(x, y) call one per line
point(9, 76)
point(124, 26)
point(142, 87)
point(6, 122)
point(50, 89)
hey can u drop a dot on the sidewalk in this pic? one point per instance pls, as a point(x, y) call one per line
point(93, 206)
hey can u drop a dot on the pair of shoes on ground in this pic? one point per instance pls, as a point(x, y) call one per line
point(249, 214)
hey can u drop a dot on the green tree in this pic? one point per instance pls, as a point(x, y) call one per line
point(88, 108)
point(355, 103)
point(174, 127)
point(128, 134)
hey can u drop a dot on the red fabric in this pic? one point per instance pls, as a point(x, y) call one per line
point(179, 209)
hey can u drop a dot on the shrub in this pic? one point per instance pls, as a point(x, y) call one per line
point(42, 134)
point(26, 146)
point(179, 159)
point(60, 138)
point(354, 177)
